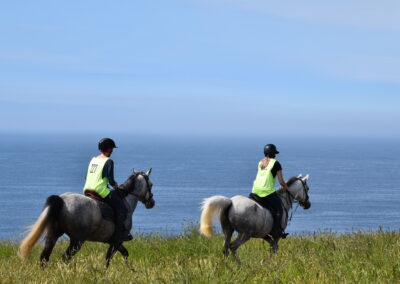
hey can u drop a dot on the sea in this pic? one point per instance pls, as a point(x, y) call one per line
point(354, 182)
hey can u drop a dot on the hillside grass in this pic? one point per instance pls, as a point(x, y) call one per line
point(363, 257)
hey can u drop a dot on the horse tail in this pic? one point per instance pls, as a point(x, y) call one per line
point(209, 207)
point(50, 213)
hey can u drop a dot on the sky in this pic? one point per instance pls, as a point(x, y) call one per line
point(201, 67)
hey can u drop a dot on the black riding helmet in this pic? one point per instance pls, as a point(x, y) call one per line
point(106, 143)
point(270, 150)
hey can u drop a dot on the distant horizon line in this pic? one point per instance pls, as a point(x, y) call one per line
point(197, 135)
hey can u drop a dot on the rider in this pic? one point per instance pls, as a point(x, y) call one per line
point(263, 187)
point(100, 173)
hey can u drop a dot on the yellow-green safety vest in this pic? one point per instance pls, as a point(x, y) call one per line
point(264, 183)
point(94, 179)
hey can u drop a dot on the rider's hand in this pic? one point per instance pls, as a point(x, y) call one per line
point(116, 186)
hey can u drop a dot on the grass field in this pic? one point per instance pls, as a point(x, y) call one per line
point(190, 258)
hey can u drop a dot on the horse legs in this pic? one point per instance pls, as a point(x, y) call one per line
point(228, 231)
point(48, 248)
point(123, 251)
point(125, 254)
point(51, 239)
point(273, 242)
point(73, 248)
point(241, 239)
point(110, 253)
point(227, 242)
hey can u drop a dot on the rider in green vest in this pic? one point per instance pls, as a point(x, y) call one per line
point(99, 175)
point(263, 190)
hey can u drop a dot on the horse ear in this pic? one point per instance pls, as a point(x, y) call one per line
point(300, 176)
point(306, 177)
point(134, 171)
point(149, 172)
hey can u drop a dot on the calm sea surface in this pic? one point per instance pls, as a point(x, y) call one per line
point(354, 184)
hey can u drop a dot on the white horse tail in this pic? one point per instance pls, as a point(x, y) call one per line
point(209, 207)
point(50, 213)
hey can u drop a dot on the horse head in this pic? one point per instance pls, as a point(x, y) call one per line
point(298, 189)
point(139, 185)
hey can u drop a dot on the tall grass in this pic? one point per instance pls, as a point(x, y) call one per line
point(372, 257)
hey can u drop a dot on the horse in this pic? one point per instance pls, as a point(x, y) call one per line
point(250, 219)
point(83, 218)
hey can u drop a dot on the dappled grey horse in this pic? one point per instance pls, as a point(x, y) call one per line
point(248, 218)
point(85, 219)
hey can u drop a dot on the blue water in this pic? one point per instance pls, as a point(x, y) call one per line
point(354, 184)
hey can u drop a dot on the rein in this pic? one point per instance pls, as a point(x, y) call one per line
point(292, 198)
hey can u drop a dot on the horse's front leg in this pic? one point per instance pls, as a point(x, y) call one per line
point(273, 242)
point(110, 253)
point(125, 254)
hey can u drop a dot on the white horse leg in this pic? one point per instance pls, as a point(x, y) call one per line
point(241, 239)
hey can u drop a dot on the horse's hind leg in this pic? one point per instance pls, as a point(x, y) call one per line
point(227, 242)
point(51, 238)
point(73, 248)
point(241, 239)
point(228, 231)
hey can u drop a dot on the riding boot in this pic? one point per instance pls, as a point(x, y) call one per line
point(277, 230)
point(121, 234)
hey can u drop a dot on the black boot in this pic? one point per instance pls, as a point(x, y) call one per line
point(121, 234)
point(278, 231)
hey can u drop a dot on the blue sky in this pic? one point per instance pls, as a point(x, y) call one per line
point(318, 68)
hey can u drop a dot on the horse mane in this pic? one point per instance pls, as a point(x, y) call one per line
point(290, 181)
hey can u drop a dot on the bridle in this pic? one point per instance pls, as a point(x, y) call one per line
point(132, 187)
point(292, 198)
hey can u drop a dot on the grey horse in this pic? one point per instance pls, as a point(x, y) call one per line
point(248, 218)
point(85, 219)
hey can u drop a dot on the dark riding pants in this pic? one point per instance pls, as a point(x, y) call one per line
point(273, 203)
point(115, 201)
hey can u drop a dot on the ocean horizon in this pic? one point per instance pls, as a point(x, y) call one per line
point(354, 182)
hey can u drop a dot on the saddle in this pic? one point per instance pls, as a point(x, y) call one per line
point(257, 199)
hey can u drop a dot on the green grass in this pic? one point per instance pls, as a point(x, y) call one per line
point(372, 257)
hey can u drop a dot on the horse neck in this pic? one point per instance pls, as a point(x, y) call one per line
point(131, 201)
point(287, 201)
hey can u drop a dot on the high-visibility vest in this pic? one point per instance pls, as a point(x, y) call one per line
point(94, 179)
point(264, 183)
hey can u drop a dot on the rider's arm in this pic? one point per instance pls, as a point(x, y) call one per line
point(108, 172)
point(281, 180)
